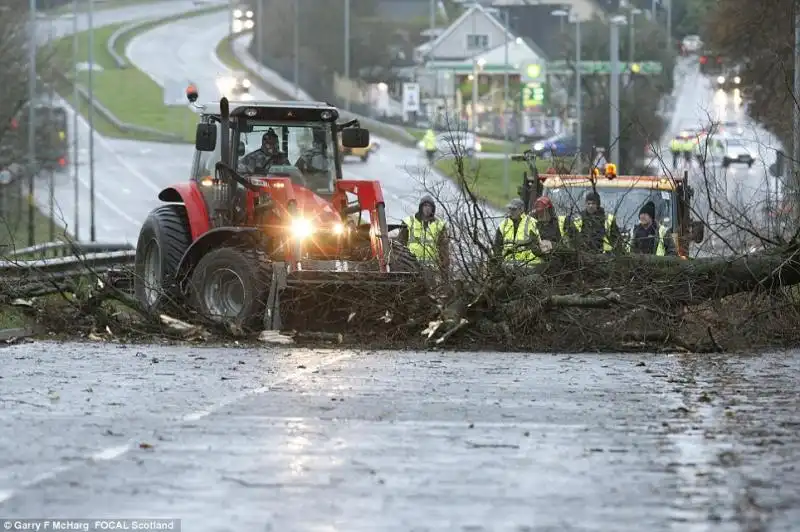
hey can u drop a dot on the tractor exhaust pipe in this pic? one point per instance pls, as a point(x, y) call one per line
point(225, 121)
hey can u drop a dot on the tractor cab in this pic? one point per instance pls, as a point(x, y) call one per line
point(621, 195)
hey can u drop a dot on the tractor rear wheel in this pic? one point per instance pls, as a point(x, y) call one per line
point(163, 240)
point(230, 286)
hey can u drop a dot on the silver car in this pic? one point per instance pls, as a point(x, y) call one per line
point(737, 152)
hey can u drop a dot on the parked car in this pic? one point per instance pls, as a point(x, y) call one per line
point(559, 146)
point(737, 152)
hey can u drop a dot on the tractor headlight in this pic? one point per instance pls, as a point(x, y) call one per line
point(338, 229)
point(301, 228)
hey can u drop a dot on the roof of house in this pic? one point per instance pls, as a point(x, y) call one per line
point(464, 16)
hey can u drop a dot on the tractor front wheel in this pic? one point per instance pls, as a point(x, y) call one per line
point(163, 240)
point(230, 286)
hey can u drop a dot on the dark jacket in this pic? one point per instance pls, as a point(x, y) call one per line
point(645, 240)
point(259, 161)
point(443, 240)
point(593, 231)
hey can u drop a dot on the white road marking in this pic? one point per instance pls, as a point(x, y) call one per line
point(112, 453)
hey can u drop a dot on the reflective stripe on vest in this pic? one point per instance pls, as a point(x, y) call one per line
point(606, 239)
point(661, 248)
point(512, 239)
point(422, 241)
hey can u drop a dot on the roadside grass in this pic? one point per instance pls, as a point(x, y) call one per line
point(128, 93)
point(485, 177)
point(98, 6)
point(14, 230)
point(228, 58)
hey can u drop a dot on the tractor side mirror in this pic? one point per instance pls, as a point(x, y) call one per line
point(698, 232)
point(205, 137)
point(242, 148)
point(355, 137)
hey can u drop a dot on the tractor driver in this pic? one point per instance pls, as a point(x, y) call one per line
point(269, 154)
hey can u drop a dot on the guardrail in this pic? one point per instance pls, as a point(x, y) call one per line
point(61, 267)
point(68, 249)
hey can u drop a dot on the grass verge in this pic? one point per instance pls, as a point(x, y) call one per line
point(130, 94)
point(486, 177)
point(228, 58)
point(98, 6)
point(14, 223)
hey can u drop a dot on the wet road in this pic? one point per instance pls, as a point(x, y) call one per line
point(737, 193)
point(127, 174)
point(294, 439)
point(185, 50)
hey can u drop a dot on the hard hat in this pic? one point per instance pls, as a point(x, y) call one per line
point(542, 204)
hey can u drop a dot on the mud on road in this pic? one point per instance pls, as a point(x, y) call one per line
point(293, 439)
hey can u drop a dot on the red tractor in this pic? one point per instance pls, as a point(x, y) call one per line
point(269, 235)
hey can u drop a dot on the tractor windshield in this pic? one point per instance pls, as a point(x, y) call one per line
point(302, 151)
point(623, 202)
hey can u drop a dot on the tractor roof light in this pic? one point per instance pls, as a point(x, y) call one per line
point(611, 170)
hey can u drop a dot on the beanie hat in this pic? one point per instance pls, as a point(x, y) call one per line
point(649, 208)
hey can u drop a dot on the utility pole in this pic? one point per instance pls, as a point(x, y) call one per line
point(32, 28)
point(296, 48)
point(51, 183)
point(578, 85)
point(670, 45)
point(795, 171)
point(613, 139)
point(260, 30)
point(90, 111)
point(430, 58)
point(506, 181)
point(347, 51)
point(76, 105)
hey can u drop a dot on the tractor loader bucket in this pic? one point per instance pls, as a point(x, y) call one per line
point(341, 301)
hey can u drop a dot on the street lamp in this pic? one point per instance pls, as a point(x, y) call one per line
point(613, 140)
point(561, 14)
point(477, 66)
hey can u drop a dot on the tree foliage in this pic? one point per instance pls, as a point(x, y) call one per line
point(639, 100)
point(759, 37)
point(13, 71)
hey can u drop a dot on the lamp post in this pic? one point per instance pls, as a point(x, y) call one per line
point(296, 47)
point(613, 140)
point(506, 180)
point(477, 66)
point(561, 14)
point(90, 111)
point(578, 85)
point(631, 41)
point(77, 105)
point(347, 51)
point(32, 29)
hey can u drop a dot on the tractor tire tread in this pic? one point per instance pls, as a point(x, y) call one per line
point(259, 273)
point(174, 238)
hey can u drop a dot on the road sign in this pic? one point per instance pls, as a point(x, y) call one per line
point(410, 97)
point(604, 67)
point(533, 95)
point(533, 73)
